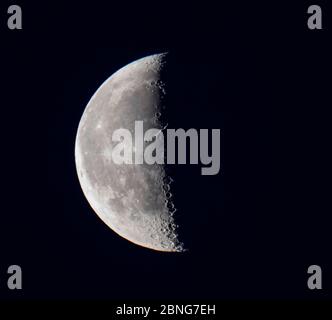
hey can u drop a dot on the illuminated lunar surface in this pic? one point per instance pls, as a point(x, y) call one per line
point(134, 200)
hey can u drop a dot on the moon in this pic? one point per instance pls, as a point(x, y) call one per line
point(134, 200)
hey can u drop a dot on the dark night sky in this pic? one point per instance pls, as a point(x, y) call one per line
point(254, 71)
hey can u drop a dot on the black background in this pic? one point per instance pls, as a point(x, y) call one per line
point(254, 70)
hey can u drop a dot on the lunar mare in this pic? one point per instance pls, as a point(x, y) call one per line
point(133, 200)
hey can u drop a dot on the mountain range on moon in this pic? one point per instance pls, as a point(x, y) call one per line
point(133, 200)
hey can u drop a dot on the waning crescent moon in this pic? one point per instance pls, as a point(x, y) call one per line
point(133, 200)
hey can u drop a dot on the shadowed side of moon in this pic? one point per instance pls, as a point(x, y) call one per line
point(133, 200)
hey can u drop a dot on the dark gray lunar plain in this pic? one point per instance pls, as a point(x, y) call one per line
point(134, 200)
